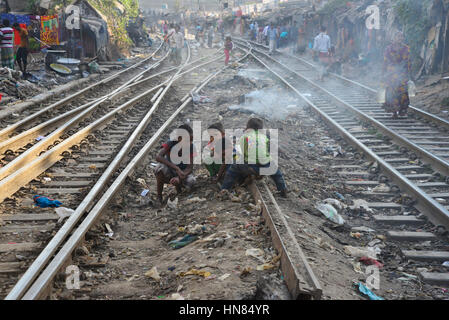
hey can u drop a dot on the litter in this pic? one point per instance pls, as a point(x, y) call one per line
point(361, 204)
point(142, 182)
point(359, 252)
point(335, 203)
point(47, 179)
point(369, 262)
point(200, 99)
point(40, 138)
point(367, 292)
point(265, 266)
point(340, 196)
point(45, 202)
point(63, 213)
point(196, 229)
point(196, 199)
point(358, 268)
point(356, 235)
point(330, 213)
point(445, 264)
point(110, 233)
point(177, 244)
point(196, 272)
point(172, 204)
point(381, 188)
point(153, 274)
point(255, 253)
point(144, 192)
point(224, 277)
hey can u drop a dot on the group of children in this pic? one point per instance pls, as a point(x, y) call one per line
point(226, 171)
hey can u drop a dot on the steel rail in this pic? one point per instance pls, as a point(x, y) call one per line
point(431, 117)
point(36, 149)
point(29, 135)
point(38, 287)
point(33, 168)
point(9, 129)
point(435, 211)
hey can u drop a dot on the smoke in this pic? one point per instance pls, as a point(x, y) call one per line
point(273, 103)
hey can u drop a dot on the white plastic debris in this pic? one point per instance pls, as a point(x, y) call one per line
point(359, 252)
point(361, 204)
point(445, 264)
point(144, 192)
point(172, 204)
point(335, 203)
point(153, 274)
point(63, 213)
point(255, 253)
point(330, 212)
point(362, 229)
point(224, 277)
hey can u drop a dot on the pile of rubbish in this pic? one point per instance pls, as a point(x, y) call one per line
point(12, 86)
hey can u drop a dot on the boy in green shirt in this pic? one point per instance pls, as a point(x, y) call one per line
point(255, 149)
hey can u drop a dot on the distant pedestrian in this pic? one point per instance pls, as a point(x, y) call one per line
point(210, 36)
point(6, 45)
point(322, 47)
point(178, 38)
point(227, 49)
point(22, 51)
point(396, 74)
point(273, 36)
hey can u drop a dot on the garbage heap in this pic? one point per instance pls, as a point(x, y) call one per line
point(13, 87)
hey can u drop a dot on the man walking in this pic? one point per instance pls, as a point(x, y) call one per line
point(22, 52)
point(6, 45)
point(273, 37)
point(322, 48)
point(179, 45)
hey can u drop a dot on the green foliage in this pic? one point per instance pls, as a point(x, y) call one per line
point(332, 6)
point(118, 21)
point(413, 18)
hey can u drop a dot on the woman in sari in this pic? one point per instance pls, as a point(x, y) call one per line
point(396, 74)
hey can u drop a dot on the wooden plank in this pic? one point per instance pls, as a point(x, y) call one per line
point(11, 267)
point(410, 235)
point(19, 247)
point(29, 217)
point(24, 229)
point(395, 220)
point(292, 277)
point(440, 256)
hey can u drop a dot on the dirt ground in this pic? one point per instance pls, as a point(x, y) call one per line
point(231, 243)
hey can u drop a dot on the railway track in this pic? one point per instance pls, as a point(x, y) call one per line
point(88, 177)
point(405, 155)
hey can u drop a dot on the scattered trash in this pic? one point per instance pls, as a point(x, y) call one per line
point(47, 179)
point(162, 234)
point(330, 212)
point(196, 229)
point(177, 296)
point(110, 233)
point(361, 204)
point(45, 202)
point(246, 271)
point(381, 188)
point(340, 196)
point(40, 138)
point(367, 292)
point(370, 261)
point(153, 274)
point(224, 277)
point(144, 192)
point(177, 244)
point(265, 266)
point(359, 252)
point(93, 167)
point(172, 204)
point(194, 200)
point(200, 99)
point(172, 268)
point(142, 182)
point(445, 264)
point(356, 235)
point(63, 213)
point(196, 272)
point(311, 145)
point(335, 203)
point(357, 267)
point(408, 277)
point(255, 253)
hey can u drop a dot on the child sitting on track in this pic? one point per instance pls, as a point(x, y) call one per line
point(254, 158)
point(176, 168)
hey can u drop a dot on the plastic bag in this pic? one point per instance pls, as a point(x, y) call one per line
point(381, 95)
point(330, 212)
point(411, 88)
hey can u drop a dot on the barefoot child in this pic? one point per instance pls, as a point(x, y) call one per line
point(179, 174)
point(254, 159)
